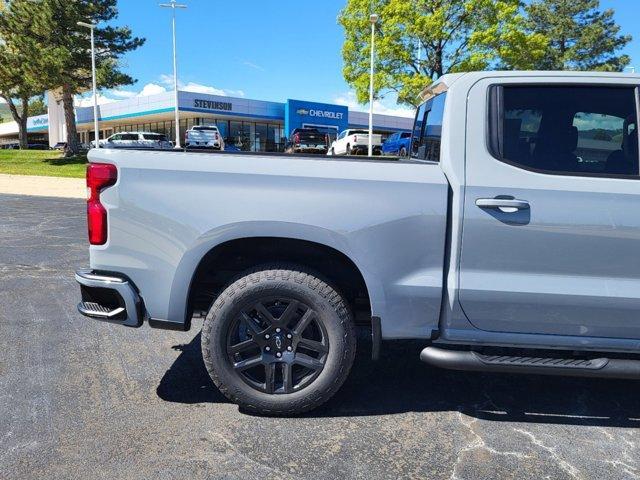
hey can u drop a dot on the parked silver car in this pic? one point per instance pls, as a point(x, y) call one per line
point(136, 140)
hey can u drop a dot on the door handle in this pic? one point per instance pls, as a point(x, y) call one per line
point(507, 205)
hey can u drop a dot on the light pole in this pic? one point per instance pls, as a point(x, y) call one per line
point(91, 27)
point(373, 18)
point(173, 5)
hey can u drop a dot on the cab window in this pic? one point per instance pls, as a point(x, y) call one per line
point(427, 129)
point(566, 129)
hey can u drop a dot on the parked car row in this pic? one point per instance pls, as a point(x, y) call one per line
point(348, 142)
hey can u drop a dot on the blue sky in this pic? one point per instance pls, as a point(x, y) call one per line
point(268, 50)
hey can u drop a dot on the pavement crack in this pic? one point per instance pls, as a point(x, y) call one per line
point(233, 448)
point(563, 464)
point(629, 469)
point(478, 443)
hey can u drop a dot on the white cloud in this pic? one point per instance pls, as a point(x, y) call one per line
point(151, 89)
point(199, 87)
point(381, 107)
point(255, 66)
point(87, 100)
point(123, 93)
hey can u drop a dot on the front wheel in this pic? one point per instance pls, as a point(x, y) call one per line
point(278, 341)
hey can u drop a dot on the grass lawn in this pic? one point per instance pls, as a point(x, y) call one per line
point(42, 162)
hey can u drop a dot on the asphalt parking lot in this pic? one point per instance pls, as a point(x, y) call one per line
point(82, 399)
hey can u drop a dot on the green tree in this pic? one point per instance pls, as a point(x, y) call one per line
point(581, 37)
point(24, 64)
point(420, 40)
point(37, 106)
point(54, 24)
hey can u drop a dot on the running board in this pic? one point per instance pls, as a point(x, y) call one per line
point(474, 361)
point(95, 310)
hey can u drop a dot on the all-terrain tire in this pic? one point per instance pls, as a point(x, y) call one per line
point(269, 282)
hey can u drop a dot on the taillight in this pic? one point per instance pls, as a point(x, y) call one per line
point(99, 177)
point(296, 138)
point(355, 139)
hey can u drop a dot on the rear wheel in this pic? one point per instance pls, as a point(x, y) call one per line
point(278, 341)
point(403, 152)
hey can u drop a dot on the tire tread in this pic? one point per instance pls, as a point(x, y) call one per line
point(284, 273)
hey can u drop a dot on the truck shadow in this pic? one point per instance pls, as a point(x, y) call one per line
point(400, 383)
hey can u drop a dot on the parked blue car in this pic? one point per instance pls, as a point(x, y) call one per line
point(397, 144)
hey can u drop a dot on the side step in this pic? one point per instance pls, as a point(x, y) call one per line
point(95, 310)
point(474, 361)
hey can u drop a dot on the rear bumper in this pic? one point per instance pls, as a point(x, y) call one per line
point(310, 149)
point(109, 298)
point(364, 150)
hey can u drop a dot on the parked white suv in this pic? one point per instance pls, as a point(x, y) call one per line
point(204, 136)
point(354, 142)
point(136, 140)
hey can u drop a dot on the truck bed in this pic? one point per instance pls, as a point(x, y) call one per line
point(168, 209)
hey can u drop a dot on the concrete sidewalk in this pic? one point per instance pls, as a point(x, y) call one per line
point(43, 186)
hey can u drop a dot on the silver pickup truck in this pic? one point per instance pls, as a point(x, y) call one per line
point(508, 241)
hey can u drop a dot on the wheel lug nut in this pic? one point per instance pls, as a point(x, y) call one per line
point(267, 348)
point(278, 354)
point(289, 335)
point(289, 348)
point(277, 330)
point(267, 336)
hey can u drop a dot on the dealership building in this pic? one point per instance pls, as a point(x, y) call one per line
point(251, 125)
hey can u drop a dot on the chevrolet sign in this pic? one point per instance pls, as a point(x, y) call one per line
point(320, 113)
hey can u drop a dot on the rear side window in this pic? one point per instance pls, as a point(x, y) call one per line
point(129, 136)
point(570, 130)
point(158, 137)
point(405, 135)
point(427, 129)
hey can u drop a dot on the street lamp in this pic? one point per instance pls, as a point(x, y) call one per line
point(91, 27)
point(373, 18)
point(173, 5)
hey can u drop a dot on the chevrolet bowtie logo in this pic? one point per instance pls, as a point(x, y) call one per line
point(302, 111)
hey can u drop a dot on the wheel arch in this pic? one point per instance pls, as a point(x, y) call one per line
point(324, 252)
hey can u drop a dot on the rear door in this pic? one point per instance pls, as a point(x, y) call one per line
point(551, 227)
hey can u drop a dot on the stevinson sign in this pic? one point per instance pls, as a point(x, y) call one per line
point(320, 113)
point(212, 105)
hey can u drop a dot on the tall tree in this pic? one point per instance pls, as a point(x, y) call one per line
point(37, 106)
point(581, 37)
point(55, 25)
point(24, 64)
point(420, 40)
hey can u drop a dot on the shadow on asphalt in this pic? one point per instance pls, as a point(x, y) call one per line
point(400, 383)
